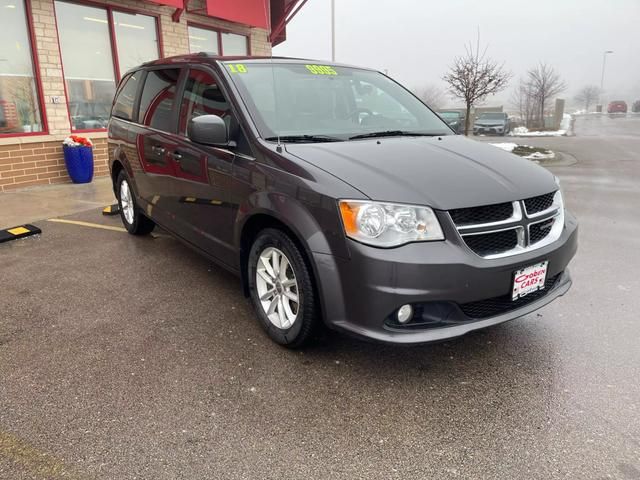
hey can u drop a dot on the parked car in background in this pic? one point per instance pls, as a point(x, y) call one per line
point(617, 106)
point(337, 197)
point(89, 115)
point(493, 123)
point(635, 108)
point(454, 119)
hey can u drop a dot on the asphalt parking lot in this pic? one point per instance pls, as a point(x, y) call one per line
point(125, 358)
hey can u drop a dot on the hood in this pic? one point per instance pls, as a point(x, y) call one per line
point(490, 123)
point(452, 172)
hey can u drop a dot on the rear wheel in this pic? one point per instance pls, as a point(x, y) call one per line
point(281, 289)
point(133, 220)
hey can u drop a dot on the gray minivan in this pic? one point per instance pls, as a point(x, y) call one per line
point(338, 197)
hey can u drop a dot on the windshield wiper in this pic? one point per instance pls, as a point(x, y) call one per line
point(395, 133)
point(304, 138)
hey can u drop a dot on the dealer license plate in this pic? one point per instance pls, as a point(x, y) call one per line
point(529, 279)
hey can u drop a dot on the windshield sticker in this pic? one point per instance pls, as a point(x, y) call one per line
point(321, 70)
point(237, 68)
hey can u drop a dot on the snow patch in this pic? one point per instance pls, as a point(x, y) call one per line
point(541, 156)
point(565, 126)
point(535, 156)
point(506, 146)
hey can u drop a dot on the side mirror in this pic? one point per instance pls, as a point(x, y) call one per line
point(208, 130)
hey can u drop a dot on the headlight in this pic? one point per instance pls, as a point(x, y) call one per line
point(388, 224)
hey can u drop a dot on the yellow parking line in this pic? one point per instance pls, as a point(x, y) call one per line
point(87, 224)
point(40, 464)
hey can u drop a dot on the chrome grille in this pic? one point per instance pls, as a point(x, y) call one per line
point(504, 229)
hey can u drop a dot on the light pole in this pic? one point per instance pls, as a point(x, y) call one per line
point(604, 62)
point(333, 30)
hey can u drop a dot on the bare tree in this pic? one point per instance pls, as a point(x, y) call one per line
point(432, 95)
point(587, 95)
point(544, 84)
point(473, 77)
point(522, 99)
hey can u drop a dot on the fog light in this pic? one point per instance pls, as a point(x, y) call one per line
point(405, 313)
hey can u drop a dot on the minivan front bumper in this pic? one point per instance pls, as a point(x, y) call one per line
point(360, 295)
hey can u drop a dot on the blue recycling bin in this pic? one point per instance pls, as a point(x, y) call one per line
point(79, 163)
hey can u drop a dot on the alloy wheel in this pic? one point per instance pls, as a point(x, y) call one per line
point(277, 288)
point(126, 201)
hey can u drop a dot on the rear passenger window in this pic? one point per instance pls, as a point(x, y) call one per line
point(126, 97)
point(158, 97)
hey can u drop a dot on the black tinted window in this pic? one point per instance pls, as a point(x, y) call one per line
point(158, 97)
point(126, 97)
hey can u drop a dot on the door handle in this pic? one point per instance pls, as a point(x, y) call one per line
point(158, 150)
point(177, 156)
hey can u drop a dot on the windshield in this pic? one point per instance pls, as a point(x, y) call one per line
point(335, 102)
point(450, 115)
point(492, 116)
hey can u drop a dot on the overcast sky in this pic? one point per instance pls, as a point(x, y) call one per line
point(415, 40)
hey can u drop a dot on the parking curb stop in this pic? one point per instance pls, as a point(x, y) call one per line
point(111, 209)
point(21, 231)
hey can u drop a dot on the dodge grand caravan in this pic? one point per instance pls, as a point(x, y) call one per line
point(338, 198)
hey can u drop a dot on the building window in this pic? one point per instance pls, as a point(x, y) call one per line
point(234, 44)
point(202, 40)
point(88, 63)
point(19, 101)
point(85, 35)
point(217, 43)
point(136, 39)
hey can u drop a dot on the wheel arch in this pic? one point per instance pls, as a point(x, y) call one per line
point(251, 228)
point(116, 168)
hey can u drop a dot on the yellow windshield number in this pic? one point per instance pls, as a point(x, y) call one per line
point(237, 68)
point(321, 70)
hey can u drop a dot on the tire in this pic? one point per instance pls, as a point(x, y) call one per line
point(132, 218)
point(291, 324)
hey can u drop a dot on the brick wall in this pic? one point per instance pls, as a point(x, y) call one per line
point(42, 163)
point(37, 160)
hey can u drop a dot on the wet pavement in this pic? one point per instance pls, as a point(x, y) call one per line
point(31, 204)
point(126, 358)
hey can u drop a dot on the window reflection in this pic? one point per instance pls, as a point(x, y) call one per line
point(202, 40)
point(158, 95)
point(136, 39)
point(234, 44)
point(88, 64)
point(19, 103)
point(207, 40)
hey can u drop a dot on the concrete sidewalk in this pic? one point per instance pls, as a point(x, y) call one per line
point(39, 203)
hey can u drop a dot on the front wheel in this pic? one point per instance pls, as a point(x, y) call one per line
point(134, 221)
point(281, 289)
